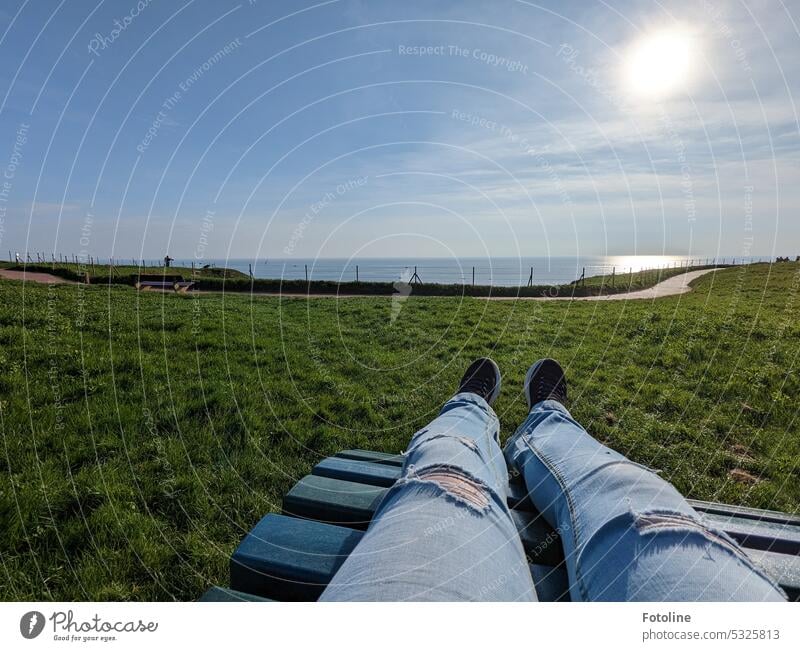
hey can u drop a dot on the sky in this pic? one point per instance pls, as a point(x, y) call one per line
point(343, 128)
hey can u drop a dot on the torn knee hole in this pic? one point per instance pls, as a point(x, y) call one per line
point(458, 485)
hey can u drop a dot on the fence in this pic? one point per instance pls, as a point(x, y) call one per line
point(506, 272)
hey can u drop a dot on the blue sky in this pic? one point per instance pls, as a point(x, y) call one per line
point(377, 129)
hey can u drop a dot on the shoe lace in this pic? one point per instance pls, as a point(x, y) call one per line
point(478, 382)
point(548, 386)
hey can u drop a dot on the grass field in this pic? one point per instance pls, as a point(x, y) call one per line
point(144, 434)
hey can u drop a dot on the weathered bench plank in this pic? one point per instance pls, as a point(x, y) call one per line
point(333, 501)
point(362, 472)
point(289, 559)
point(375, 457)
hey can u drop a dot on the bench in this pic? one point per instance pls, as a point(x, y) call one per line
point(293, 555)
point(163, 283)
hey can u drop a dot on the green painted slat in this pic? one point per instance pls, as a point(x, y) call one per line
point(362, 472)
point(374, 457)
point(757, 534)
point(288, 559)
point(333, 501)
point(745, 512)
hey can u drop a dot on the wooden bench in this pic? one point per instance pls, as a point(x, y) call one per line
point(163, 282)
point(292, 556)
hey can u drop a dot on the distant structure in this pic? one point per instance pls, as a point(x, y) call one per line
point(167, 260)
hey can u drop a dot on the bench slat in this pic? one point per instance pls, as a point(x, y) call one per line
point(745, 512)
point(362, 472)
point(374, 457)
point(333, 501)
point(289, 559)
point(756, 534)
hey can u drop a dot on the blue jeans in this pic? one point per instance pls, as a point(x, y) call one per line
point(444, 531)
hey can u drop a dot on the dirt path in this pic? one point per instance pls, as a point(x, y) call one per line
point(33, 277)
point(669, 287)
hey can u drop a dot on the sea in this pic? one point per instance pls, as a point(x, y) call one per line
point(500, 271)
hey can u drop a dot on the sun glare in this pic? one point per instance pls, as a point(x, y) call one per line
point(660, 63)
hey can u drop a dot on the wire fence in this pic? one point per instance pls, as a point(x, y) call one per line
point(507, 272)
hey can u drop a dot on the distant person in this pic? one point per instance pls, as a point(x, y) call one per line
point(16, 256)
point(444, 530)
point(167, 261)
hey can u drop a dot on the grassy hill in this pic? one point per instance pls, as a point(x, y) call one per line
point(144, 434)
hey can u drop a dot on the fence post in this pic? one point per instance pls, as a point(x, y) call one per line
point(473, 275)
point(306, 266)
point(613, 273)
point(356, 273)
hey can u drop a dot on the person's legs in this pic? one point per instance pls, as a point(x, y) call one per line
point(627, 534)
point(444, 532)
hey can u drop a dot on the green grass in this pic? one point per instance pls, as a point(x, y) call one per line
point(144, 434)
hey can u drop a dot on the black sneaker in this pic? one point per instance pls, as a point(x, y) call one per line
point(482, 377)
point(545, 381)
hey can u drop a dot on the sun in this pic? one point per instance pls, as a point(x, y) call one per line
point(660, 63)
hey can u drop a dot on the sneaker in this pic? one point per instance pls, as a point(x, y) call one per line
point(545, 381)
point(482, 378)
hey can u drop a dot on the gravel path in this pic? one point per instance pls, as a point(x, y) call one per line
point(33, 277)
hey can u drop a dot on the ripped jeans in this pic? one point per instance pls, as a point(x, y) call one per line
point(444, 531)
